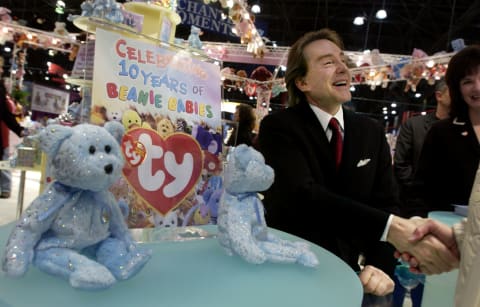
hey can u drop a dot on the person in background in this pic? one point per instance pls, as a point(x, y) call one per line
point(243, 133)
point(321, 195)
point(7, 121)
point(463, 80)
point(451, 151)
point(408, 148)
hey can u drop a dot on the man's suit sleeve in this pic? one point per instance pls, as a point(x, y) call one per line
point(309, 201)
point(385, 191)
point(403, 157)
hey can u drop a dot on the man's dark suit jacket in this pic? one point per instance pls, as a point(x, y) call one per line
point(310, 199)
point(405, 161)
point(448, 163)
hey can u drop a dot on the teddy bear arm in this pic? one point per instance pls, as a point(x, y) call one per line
point(118, 227)
point(241, 237)
point(24, 237)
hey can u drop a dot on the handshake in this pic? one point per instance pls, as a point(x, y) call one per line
point(428, 246)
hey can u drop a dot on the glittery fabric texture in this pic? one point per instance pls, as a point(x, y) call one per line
point(75, 228)
point(242, 229)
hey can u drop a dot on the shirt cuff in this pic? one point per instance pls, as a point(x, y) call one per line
point(387, 228)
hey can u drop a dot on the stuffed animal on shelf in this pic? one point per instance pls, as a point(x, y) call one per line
point(60, 29)
point(75, 229)
point(241, 223)
point(194, 38)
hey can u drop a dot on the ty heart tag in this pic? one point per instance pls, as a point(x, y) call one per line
point(169, 169)
point(133, 150)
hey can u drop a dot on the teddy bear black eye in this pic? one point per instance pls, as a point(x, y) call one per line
point(108, 149)
point(91, 149)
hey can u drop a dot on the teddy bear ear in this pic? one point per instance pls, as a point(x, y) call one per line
point(242, 156)
point(116, 129)
point(52, 136)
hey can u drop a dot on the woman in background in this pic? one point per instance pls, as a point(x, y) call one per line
point(7, 121)
point(243, 133)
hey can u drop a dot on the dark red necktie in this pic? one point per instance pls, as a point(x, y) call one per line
point(336, 141)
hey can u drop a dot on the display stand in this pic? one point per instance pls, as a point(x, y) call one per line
point(5, 165)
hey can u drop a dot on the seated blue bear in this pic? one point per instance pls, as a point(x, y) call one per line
point(75, 228)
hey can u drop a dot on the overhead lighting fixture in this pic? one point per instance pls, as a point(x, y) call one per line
point(359, 21)
point(381, 14)
point(256, 9)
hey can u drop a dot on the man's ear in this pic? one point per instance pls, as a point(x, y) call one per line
point(301, 83)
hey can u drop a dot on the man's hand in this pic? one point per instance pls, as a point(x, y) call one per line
point(430, 227)
point(432, 254)
point(375, 281)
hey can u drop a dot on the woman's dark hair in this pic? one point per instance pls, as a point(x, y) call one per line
point(297, 64)
point(462, 64)
point(243, 133)
point(246, 116)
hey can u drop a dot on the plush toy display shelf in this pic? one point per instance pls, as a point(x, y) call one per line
point(158, 22)
point(90, 24)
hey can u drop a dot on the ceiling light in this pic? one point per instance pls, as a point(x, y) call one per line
point(358, 21)
point(256, 9)
point(381, 14)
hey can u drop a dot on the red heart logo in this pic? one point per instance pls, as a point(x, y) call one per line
point(169, 169)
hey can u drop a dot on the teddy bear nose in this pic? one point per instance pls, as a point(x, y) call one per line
point(108, 168)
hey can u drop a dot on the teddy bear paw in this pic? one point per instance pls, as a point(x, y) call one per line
point(91, 278)
point(137, 261)
point(308, 258)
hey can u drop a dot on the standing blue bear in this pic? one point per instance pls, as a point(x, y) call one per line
point(241, 222)
point(194, 38)
point(75, 228)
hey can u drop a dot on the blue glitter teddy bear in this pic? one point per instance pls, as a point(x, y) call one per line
point(241, 223)
point(75, 228)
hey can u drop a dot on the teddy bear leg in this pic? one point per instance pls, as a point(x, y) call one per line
point(121, 262)
point(79, 270)
point(244, 243)
point(285, 253)
point(295, 244)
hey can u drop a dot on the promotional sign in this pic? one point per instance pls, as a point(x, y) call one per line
point(169, 104)
point(49, 100)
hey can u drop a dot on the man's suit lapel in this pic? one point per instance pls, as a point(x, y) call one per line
point(350, 139)
point(316, 135)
